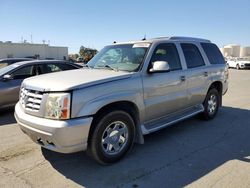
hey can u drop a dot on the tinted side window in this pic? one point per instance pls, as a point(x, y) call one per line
point(66, 67)
point(167, 52)
point(192, 55)
point(48, 68)
point(55, 67)
point(24, 72)
point(213, 53)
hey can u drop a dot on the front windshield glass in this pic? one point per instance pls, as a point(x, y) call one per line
point(6, 69)
point(3, 64)
point(125, 57)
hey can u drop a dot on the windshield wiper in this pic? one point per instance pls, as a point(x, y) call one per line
point(109, 67)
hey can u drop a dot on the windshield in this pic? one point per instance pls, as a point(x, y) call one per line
point(6, 69)
point(3, 64)
point(125, 57)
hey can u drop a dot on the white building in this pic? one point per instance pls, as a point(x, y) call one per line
point(40, 51)
point(235, 50)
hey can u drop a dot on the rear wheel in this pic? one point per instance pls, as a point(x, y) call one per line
point(112, 137)
point(211, 104)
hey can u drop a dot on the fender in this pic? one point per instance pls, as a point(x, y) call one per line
point(93, 106)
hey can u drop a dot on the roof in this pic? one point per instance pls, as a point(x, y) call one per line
point(173, 38)
point(14, 59)
point(38, 61)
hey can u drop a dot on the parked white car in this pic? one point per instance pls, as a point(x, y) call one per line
point(238, 63)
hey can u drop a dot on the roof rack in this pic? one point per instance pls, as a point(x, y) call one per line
point(183, 38)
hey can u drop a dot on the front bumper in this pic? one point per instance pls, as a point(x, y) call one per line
point(61, 136)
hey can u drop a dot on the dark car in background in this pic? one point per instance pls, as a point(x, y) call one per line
point(9, 61)
point(12, 76)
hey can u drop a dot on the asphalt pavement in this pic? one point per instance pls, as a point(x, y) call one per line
point(193, 153)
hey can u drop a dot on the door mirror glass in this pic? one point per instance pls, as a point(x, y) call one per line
point(159, 66)
point(7, 77)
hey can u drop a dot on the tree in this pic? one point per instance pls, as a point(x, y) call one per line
point(87, 53)
point(73, 56)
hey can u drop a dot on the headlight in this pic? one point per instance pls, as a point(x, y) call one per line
point(58, 106)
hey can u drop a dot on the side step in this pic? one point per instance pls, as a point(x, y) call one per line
point(171, 119)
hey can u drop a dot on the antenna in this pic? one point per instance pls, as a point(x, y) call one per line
point(31, 39)
point(145, 38)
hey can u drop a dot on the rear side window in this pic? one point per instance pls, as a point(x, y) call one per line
point(167, 52)
point(192, 55)
point(213, 53)
point(65, 67)
point(48, 68)
point(55, 67)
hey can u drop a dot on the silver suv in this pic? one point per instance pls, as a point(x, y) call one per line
point(126, 91)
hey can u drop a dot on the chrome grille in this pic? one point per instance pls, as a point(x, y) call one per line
point(31, 99)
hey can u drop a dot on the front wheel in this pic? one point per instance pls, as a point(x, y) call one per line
point(112, 137)
point(211, 104)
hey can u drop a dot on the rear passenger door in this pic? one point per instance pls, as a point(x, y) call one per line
point(164, 92)
point(196, 73)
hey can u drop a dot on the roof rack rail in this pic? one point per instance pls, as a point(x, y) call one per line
point(182, 38)
point(188, 39)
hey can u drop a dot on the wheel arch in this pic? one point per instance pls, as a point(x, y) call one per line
point(127, 106)
point(219, 87)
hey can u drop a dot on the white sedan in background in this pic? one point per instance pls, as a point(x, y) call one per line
point(238, 63)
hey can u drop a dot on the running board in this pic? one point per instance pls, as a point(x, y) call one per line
point(171, 119)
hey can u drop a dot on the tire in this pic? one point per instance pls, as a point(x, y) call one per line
point(211, 104)
point(237, 67)
point(112, 137)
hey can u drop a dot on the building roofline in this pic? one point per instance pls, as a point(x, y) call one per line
point(31, 44)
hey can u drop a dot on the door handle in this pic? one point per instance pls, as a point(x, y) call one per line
point(205, 74)
point(183, 78)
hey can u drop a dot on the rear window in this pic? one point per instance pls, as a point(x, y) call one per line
point(213, 53)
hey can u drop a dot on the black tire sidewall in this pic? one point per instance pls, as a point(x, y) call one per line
point(101, 125)
point(206, 114)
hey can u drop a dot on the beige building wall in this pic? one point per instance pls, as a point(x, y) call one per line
point(43, 51)
point(232, 50)
point(245, 52)
point(228, 51)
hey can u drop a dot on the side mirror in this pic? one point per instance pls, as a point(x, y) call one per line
point(7, 77)
point(160, 66)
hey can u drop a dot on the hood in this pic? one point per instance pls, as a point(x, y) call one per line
point(73, 79)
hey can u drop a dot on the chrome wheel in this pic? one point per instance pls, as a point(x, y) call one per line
point(114, 138)
point(212, 104)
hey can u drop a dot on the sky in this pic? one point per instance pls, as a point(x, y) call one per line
point(97, 23)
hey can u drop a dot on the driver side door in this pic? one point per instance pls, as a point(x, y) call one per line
point(164, 92)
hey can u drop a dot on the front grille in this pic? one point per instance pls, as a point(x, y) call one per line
point(31, 99)
point(247, 64)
